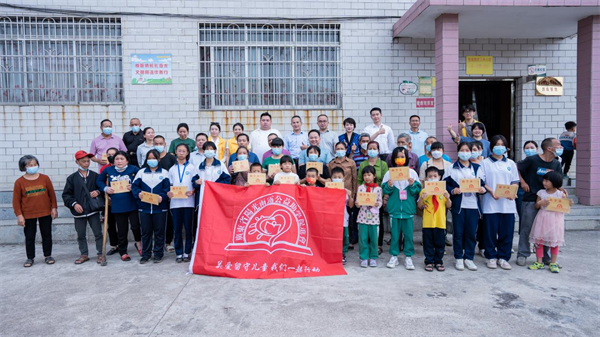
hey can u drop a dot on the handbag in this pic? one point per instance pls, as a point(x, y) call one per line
point(94, 204)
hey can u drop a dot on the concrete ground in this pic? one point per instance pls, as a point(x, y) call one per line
point(129, 299)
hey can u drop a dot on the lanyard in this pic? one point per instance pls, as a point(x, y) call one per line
point(181, 174)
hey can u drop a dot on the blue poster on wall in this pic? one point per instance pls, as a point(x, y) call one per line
point(151, 69)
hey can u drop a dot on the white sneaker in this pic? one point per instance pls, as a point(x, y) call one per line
point(408, 264)
point(372, 263)
point(393, 262)
point(364, 263)
point(460, 264)
point(470, 265)
point(502, 263)
point(482, 253)
point(492, 264)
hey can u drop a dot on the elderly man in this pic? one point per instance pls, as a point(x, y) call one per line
point(404, 141)
point(314, 138)
point(105, 141)
point(328, 137)
point(259, 138)
point(381, 133)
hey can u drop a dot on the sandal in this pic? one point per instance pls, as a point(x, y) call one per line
point(82, 259)
point(138, 249)
point(429, 267)
point(112, 251)
point(170, 249)
point(125, 257)
point(100, 259)
point(28, 263)
point(380, 250)
point(49, 260)
point(439, 267)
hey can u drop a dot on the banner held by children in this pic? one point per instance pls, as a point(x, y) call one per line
point(269, 232)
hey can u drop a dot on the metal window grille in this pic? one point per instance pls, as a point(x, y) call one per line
point(60, 60)
point(252, 66)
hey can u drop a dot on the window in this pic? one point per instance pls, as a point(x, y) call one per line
point(250, 66)
point(60, 60)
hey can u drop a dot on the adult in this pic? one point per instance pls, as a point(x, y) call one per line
point(34, 202)
point(328, 137)
point(182, 130)
point(231, 145)
point(105, 141)
point(297, 140)
point(146, 146)
point(404, 140)
point(568, 140)
point(259, 138)
point(417, 135)
point(350, 138)
point(167, 159)
point(477, 132)
point(270, 153)
point(132, 139)
point(314, 139)
point(437, 160)
point(221, 143)
point(381, 133)
point(197, 157)
point(244, 140)
point(362, 155)
point(531, 171)
point(465, 128)
point(347, 165)
point(427, 148)
point(82, 196)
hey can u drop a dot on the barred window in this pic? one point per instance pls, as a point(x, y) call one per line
point(60, 60)
point(250, 66)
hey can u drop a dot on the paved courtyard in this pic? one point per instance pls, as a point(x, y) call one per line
point(129, 299)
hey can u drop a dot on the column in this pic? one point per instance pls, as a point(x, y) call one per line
point(588, 110)
point(446, 72)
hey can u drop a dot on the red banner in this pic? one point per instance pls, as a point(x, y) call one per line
point(280, 231)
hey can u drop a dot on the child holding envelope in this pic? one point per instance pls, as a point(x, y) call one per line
point(240, 167)
point(368, 217)
point(286, 176)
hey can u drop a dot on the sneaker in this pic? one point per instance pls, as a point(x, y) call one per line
point(502, 263)
point(157, 259)
point(536, 266)
point(521, 261)
point(393, 262)
point(408, 264)
point(460, 264)
point(373, 263)
point(554, 268)
point(470, 265)
point(482, 253)
point(179, 259)
point(144, 260)
point(364, 263)
point(492, 263)
point(186, 258)
point(344, 261)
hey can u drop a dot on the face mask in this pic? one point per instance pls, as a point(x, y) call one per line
point(81, 168)
point(209, 154)
point(159, 148)
point(107, 131)
point(559, 152)
point(364, 146)
point(111, 159)
point(153, 163)
point(432, 179)
point(404, 147)
point(475, 154)
point(372, 153)
point(499, 150)
point(428, 148)
point(311, 180)
point(337, 180)
point(243, 157)
point(277, 150)
point(121, 169)
point(530, 152)
point(437, 154)
point(400, 161)
point(32, 169)
point(340, 153)
point(135, 129)
point(464, 155)
point(313, 157)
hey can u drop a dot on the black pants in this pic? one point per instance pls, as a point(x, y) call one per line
point(353, 227)
point(434, 243)
point(195, 226)
point(480, 234)
point(113, 238)
point(169, 232)
point(567, 158)
point(153, 234)
point(30, 231)
point(123, 221)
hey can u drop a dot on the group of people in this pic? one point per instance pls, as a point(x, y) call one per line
point(141, 165)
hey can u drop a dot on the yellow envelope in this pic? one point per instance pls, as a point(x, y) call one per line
point(399, 173)
point(257, 178)
point(435, 187)
point(337, 185)
point(562, 205)
point(241, 166)
point(150, 198)
point(287, 180)
point(506, 191)
point(104, 156)
point(366, 198)
point(315, 164)
point(274, 169)
point(119, 186)
point(470, 185)
point(179, 192)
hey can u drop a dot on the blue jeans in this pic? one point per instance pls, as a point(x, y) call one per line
point(182, 219)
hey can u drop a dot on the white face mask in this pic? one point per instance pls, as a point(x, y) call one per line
point(437, 154)
point(364, 146)
point(432, 179)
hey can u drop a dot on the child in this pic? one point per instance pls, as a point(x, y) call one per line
point(287, 164)
point(568, 140)
point(240, 178)
point(368, 220)
point(434, 222)
point(276, 149)
point(312, 178)
point(548, 227)
point(402, 207)
point(337, 175)
point(256, 168)
point(182, 130)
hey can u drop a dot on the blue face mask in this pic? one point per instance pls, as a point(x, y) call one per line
point(475, 154)
point(81, 168)
point(372, 153)
point(340, 153)
point(313, 157)
point(153, 163)
point(121, 169)
point(559, 152)
point(428, 148)
point(530, 152)
point(499, 150)
point(243, 157)
point(135, 129)
point(159, 148)
point(32, 169)
point(464, 155)
point(277, 151)
point(107, 131)
point(209, 154)
point(337, 180)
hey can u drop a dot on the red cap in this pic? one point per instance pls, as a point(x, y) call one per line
point(82, 154)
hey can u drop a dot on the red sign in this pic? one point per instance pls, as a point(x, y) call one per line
point(426, 102)
point(281, 231)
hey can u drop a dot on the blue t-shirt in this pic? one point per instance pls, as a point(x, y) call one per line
point(252, 158)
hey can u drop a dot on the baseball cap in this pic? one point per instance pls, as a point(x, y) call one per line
point(81, 154)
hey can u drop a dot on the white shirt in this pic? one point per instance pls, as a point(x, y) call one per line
point(283, 174)
point(418, 141)
point(181, 175)
point(498, 172)
point(402, 184)
point(212, 172)
point(259, 140)
point(386, 141)
point(142, 151)
point(458, 172)
point(196, 158)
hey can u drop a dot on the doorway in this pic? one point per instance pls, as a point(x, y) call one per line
point(494, 101)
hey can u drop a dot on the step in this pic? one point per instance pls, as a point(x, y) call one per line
point(7, 212)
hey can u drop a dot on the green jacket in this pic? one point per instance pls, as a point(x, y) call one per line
point(402, 209)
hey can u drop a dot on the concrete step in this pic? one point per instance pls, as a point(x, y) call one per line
point(7, 212)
